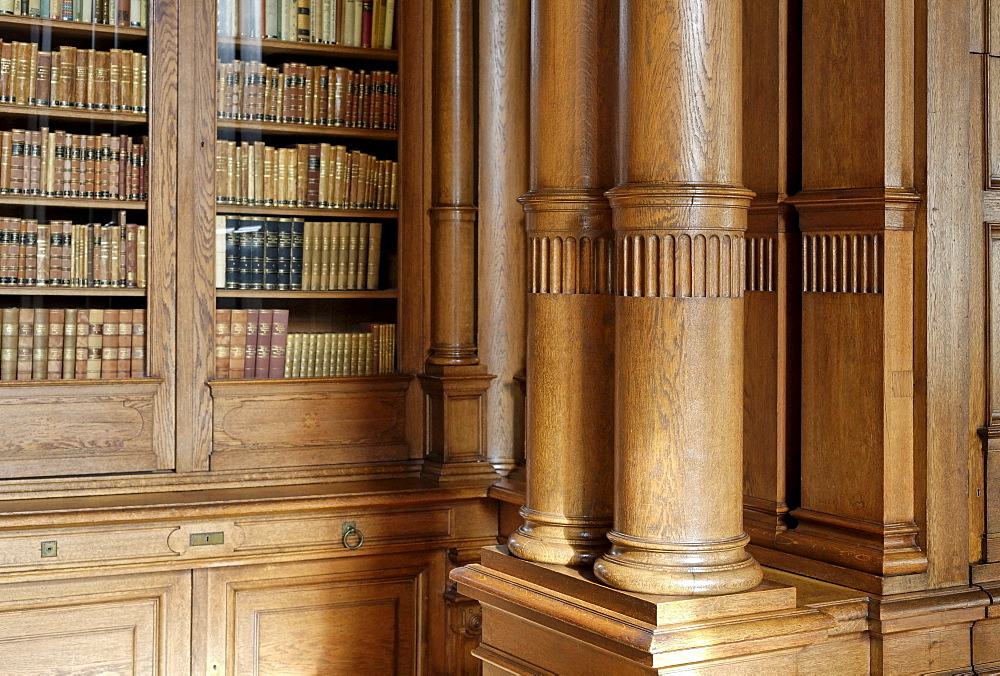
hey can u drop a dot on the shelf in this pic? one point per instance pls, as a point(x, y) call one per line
point(22, 26)
point(71, 202)
point(379, 214)
point(251, 293)
point(316, 130)
point(57, 113)
point(143, 384)
point(288, 47)
point(70, 291)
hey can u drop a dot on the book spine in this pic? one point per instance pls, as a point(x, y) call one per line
point(109, 345)
point(138, 364)
point(8, 344)
point(238, 343)
point(262, 363)
point(279, 339)
point(70, 325)
point(250, 351)
point(54, 352)
point(123, 358)
point(223, 341)
point(25, 342)
point(40, 344)
point(295, 263)
point(82, 344)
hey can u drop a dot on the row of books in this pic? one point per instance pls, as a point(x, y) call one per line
point(353, 23)
point(72, 344)
point(332, 355)
point(75, 255)
point(59, 164)
point(250, 343)
point(285, 254)
point(301, 94)
point(107, 12)
point(112, 80)
point(304, 175)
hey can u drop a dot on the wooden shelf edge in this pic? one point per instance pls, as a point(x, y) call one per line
point(71, 291)
point(67, 27)
point(322, 49)
point(84, 114)
point(304, 211)
point(389, 294)
point(230, 387)
point(75, 203)
point(116, 385)
point(324, 130)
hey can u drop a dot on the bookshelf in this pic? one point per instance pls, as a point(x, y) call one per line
point(88, 236)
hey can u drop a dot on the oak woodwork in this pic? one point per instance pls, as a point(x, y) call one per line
point(569, 442)
point(857, 213)
point(679, 217)
point(454, 382)
point(129, 624)
point(504, 55)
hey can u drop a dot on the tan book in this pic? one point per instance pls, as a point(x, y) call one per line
point(223, 341)
point(140, 271)
point(340, 177)
point(237, 343)
point(138, 367)
point(25, 342)
point(7, 72)
point(374, 254)
point(56, 336)
point(327, 238)
point(8, 343)
point(344, 239)
point(361, 279)
point(291, 355)
point(82, 345)
point(325, 369)
point(69, 344)
point(43, 80)
point(352, 255)
point(40, 344)
point(124, 344)
point(5, 159)
point(109, 345)
point(308, 244)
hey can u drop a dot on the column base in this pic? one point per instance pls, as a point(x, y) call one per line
point(543, 619)
point(678, 569)
point(558, 539)
point(455, 424)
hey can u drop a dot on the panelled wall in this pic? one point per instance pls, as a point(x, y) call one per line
point(870, 275)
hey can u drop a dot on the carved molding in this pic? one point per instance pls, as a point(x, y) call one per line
point(571, 264)
point(842, 263)
point(760, 262)
point(682, 265)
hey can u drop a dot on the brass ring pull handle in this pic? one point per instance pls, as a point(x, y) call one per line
point(352, 532)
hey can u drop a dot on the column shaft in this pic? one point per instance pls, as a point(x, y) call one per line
point(679, 218)
point(570, 366)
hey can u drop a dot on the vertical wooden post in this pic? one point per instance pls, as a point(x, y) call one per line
point(771, 334)
point(857, 212)
point(504, 36)
point(570, 372)
point(679, 218)
point(454, 381)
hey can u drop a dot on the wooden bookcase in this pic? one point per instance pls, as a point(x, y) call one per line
point(109, 486)
point(66, 427)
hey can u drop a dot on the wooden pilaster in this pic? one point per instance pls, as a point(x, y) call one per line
point(454, 381)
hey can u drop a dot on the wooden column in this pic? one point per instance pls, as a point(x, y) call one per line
point(454, 381)
point(504, 39)
point(570, 372)
point(857, 212)
point(679, 219)
point(771, 334)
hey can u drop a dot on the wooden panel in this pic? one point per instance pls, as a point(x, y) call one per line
point(322, 423)
point(844, 657)
point(992, 121)
point(939, 650)
point(986, 641)
point(325, 617)
point(132, 625)
point(78, 428)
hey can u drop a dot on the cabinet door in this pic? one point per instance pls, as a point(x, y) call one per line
point(128, 625)
point(362, 615)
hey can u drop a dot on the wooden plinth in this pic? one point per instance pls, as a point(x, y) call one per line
point(546, 619)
